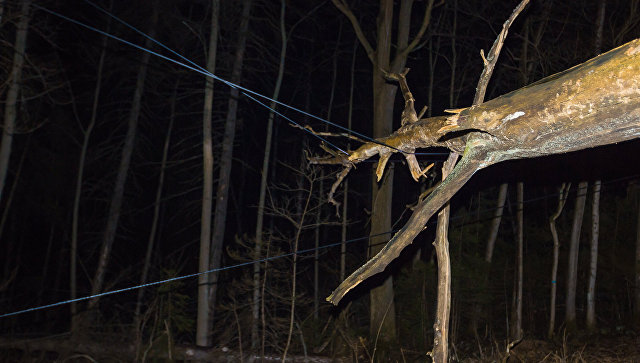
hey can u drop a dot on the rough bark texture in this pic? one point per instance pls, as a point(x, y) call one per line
point(593, 262)
point(592, 104)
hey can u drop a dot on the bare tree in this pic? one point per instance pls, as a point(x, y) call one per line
point(636, 306)
point(595, 206)
point(73, 258)
point(382, 311)
point(257, 253)
point(202, 327)
point(115, 205)
point(224, 178)
point(516, 333)
point(562, 199)
point(593, 261)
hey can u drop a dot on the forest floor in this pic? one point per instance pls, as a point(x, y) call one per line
point(607, 349)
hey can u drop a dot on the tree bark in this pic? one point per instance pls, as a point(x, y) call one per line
point(202, 330)
point(440, 352)
point(11, 102)
point(562, 199)
point(572, 264)
point(224, 178)
point(382, 308)
point(123, 169)
point(516, 333)
point(636, 306)
point(592, 104)
point(593, 263)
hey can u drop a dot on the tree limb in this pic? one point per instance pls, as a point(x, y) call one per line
point(346, 10)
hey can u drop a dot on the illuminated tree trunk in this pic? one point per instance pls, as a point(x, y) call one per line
point(562, 199)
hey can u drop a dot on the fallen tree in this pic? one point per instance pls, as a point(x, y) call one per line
point(592, 104)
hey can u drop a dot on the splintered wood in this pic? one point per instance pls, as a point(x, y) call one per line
point(592, 104)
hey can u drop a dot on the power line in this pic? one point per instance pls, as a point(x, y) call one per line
point(197, 68)
point(248, 263)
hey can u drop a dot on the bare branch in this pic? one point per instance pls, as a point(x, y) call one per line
point(492, 58)
point(402, 54)
point(346, 10)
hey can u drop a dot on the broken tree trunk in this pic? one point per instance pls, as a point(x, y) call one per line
point(595, 103)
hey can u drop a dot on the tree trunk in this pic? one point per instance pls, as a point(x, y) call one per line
point(636, 307)
point(11, 102)
point(222, 193)
point(562, 199)
point(121, 177)
point(382, 309)
point(593, 263)
point(516, 333)
point(595, 209)
point(495, 222)
point(572, 265)
point(255, 312)
point(440, 352)
point(202, 327)
point(156, 205)
point(73, 258)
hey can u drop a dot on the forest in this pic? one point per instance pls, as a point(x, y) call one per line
point(224, 180)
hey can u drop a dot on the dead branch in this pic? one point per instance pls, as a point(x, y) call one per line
point(593, 104)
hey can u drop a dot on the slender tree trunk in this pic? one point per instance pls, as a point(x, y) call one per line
point(595, 211)
point(495, 222)
point(224, 178)
point(516, 333)
point(156, 205)
point(440, 352)
point(73, 259)
point(593, 263)
point(11, 102)
point(121, 177)
point(562, 199)
point(572, 265)
point(202, 327)
point(299, 227)
point(636, 307)
point(255, 312)
point(345, 198)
